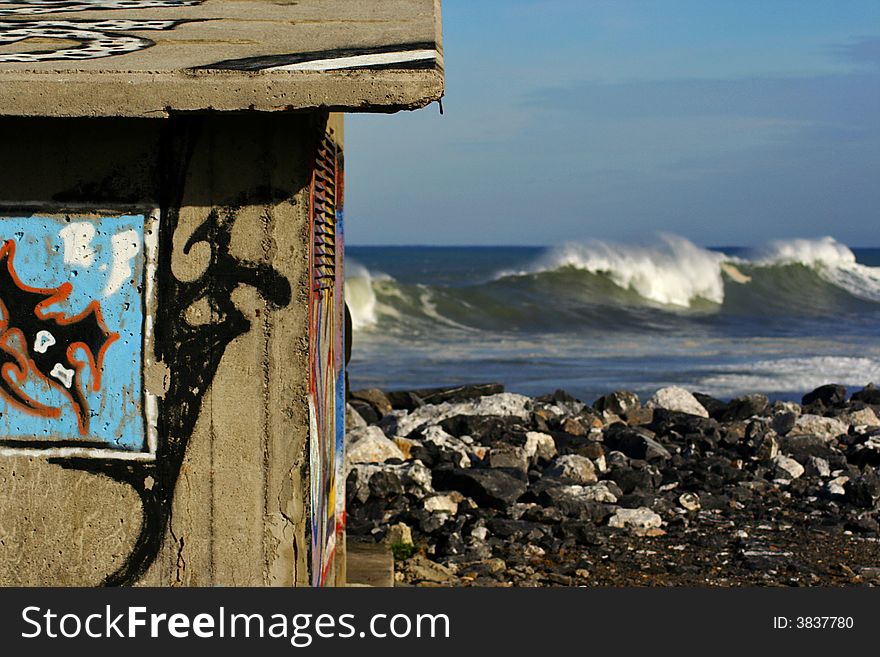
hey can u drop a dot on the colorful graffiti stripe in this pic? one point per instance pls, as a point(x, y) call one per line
point(327, 362)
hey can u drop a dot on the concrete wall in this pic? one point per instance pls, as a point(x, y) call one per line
point(222, 493)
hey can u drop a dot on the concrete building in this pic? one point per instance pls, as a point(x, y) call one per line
point(171, 323)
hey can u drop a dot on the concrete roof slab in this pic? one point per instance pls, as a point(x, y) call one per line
point(152, 57)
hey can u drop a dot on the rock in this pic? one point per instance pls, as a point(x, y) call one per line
point(404, 400)
point(504, 405)
point(817, 467)
point(539, 446)
point(437, 447)
point(578, 469)
point(365, 410)
point(375, 398)
point(575, 426)
point(369, 445)
point(826, 428)
point(493, 488)
point(421, 569)
point(678, 399)
point(864, 417)
point(620, 402)
point(863, 491)
point(406, 445)
point(689, 501)
point(413, 475)
point(457, 394)
point(787, 468)
point(870, 394)
point(743, 408)
point(713, 406)
point(828, 395)
point(441, 503)
point(385, 484)
point(641, 518)
point(636, 443)
point(399, 534)
point(507, 456)
point(353, 419)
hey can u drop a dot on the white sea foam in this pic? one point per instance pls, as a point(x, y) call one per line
point(790, 374)
point(675, 272)
point(360, 296)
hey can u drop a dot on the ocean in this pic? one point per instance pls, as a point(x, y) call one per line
point(592, 317)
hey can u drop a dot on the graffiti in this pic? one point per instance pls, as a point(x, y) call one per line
point(72, 300)
point(96, 38)
point(399, 56)
point(36, 341)
point(35, 7)
point(326, 357)
point(194, 350)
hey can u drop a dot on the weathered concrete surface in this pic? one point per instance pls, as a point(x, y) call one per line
point(369, 564)
point(374, 55)
point(237, 508)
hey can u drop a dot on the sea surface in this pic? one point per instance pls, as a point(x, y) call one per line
point(593, 317)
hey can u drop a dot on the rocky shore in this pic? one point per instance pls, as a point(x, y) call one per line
point(473, 486)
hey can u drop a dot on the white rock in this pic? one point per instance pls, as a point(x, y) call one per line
point(825, 428)
point(504, 404)
point(577, 468)
point(678, 399)
point(787, 468)
point(448, 443)
point(689, 501)
point(835, 486)
point(641, 518)
point(865, 417)
point(441, 503)
point(399, 534)
point(369, 445)
point(596, 493)
point(414, 476)
point(540, 445)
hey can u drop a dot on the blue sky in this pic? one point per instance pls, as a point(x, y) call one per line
point(727, 122)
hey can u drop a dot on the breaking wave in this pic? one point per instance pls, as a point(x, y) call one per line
point(600, 284)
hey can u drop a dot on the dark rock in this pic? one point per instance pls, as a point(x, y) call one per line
point(403, 400)
point(494, 488)
point(630, 479)
point(620, 402)
point(456, 394)
point(484, 429)
point(365, 410)
point(743, 408)
point(713, 406)
point(556, 397)
point(870, 394)
point(636, 443)
point(828, 395)
point(385, 484)
point(375, 398)
point(863, 491)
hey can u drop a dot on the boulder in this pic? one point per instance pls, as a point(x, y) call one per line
point(678, 399)
point(620, 402)
point(539, 446)
point(743, 408)
point(640, 518)
point(375, 398)
point(828, 395)
point(787, 468)
point(578, 469)
point(370, 445)
point(492, 487)
point(870, 394)
point(826, 428)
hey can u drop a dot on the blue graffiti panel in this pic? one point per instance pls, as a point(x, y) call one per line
point(72, 308)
